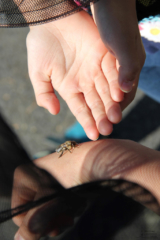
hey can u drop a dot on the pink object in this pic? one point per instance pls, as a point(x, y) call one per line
point(140, 27)
point(79, 5)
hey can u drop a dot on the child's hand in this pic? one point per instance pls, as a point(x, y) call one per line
point(118, 27)
point(69, 56)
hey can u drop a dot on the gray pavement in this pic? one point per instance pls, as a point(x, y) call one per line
point(17, 101)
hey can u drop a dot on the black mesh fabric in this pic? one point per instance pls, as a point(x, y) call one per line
point(20, 13)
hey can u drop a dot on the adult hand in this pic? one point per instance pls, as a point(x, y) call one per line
point(31, 184)
point(69, 56)
point(104, 159)
point(118, 27)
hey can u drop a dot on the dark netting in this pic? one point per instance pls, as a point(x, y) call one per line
point(73, 200)
point(20, 13)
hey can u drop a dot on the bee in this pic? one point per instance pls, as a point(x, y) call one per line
point(68, 145)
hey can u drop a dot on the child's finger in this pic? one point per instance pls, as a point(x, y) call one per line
point(112, 108)
point(110, 71)
point(97, 108)
point(44, 92)
point(81, 111)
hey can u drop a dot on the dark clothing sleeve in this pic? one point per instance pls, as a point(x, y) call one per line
point(21, 13)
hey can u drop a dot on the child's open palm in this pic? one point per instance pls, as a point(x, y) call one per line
point(69, 56)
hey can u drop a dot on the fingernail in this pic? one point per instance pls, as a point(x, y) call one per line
point(18, 237)
point(127, 86)
point(96, 139)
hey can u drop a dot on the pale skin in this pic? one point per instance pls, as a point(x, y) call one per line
point(103, 159)
point(68, 55)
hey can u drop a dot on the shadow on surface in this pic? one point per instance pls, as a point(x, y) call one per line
point(143, 119)
point(109, 218)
